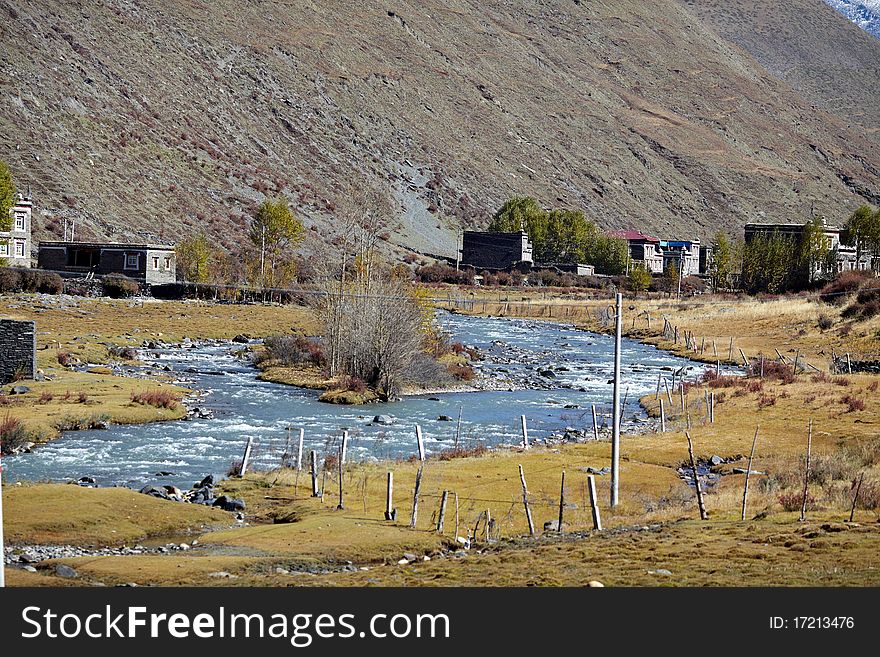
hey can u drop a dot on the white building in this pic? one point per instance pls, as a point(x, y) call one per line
point(15, 244)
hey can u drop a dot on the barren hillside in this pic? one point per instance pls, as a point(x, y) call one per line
point(147, 118)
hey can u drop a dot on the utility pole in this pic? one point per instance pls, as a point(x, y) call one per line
point(458, 247)
point(680, 270)
point(615, 431)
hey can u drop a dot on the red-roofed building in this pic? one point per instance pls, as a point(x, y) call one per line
point(644, 249)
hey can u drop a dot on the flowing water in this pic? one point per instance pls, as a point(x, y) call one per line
point(517, 352)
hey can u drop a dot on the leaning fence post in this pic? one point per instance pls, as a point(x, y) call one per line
point(730, 351)
point(299, 451)
point(561, 502)
point(662, 418)
point(390, 512)
point(657, 394)
point(285, 457)
point(525, 432)
point(246, 457)
point(852, 510)
point(703, 514)
point(597, 521)
point(595, 423)
point(458, 428)
point(442, 511)
point(807, 472)
point(712, 407)
point(668, 394)
point(525, 491)
point(416, 491)
point(421, 443)
point(313, 459)
point(745, 361)
point(748, 474)
point(456, 516)
point(848, 364)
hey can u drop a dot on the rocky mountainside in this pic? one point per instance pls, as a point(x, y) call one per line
point(148, 119)
point(830, 61)
point(865, 14)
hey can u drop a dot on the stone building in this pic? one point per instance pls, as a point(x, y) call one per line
point(644, 250)
point(497, 251)
point(15, 244)
point(152, 264)
point(843, 257)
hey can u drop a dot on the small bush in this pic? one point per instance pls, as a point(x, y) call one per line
point(157, 398)
point(853, 404)
point(123, 353)
point(825, 322)
point(773, 369)
point(82, 398)
point(119, 287)
point(841, 381)
point(14, 279)
point(846, 283)
point(793, 500)
point(64, 358)
point(293, 350)
point(865, 306)
point(461, 372)
point(442, 273)
point(352, 384)
point(766, 400)
point(462, 452)
point(45, 397)
point(12, 434)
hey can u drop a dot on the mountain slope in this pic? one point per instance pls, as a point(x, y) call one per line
point(150, 119)
point(830, 61)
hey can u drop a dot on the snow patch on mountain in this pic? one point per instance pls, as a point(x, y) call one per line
point(865, 14)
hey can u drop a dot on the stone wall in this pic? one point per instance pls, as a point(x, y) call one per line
point(18, 350)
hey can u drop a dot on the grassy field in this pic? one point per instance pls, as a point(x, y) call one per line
point(654, 529)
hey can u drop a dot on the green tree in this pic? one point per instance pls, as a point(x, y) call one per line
point(669, 282)
point(608, 254)
point(812, 254)
point(721, 268)
point(862, 230)
point(7, 200)
point(518, 213)
point(767, 263)
point(194, 255)
point(639, 279)
point(274, 232)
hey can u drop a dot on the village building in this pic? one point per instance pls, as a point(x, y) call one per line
point(844, 257)
point(644, 250)
point(15, 244)
point(496, 251)
point(152, 264)
point(684, 254)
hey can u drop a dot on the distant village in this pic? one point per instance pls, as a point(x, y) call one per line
point(482, 251)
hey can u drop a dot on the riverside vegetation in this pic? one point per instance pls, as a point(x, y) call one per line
point(652, 538)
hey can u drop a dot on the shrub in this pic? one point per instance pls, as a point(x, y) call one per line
point(293, 350)
point(117, 286)
point(793, 500)
point(461, 372)
point(462, 452)
point(443, 273)
point(157, 398)
point(825, 322)
point(773, 369)
point(852, 403)
point(865, 305)
point(12, 434)
point(30, 280)
point(352, 384)
point(846, 283)
point(766, 400)
point(82, 397)
point(45, 397)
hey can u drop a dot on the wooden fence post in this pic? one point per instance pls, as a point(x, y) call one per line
point(594, 504)
point(668, 393)
point(525, 491)
point(595, 423)
point(442, 511)
point(313, 458)
point(458, 428)
point(852, 510)
point(343, 452)
point(416, 491)
point(525, 432)
point(848, 364)
point(421, 443)
point(745, 360)
point(712, 407)
point(714, 350)
point(807, 472)
point(456, 516)
point(390, 511)
point(561, 502)
point(662, 418)
point(748, 474)
point(730, 351)
point(246, 457)
point(299, 451)
point(797, 356)
point(703, 514)
point(657, 394)
point(285, 457)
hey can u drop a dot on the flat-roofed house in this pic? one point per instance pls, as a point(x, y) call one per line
point(154, 264)
point(15, 244)
point(644, 249)
point(499, 251)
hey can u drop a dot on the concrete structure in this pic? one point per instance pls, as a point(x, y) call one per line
point(495, 251)
point(146, 263)
point(684, 254)
point(644, 250)
point(18, 350)
point(15, 244)
point(578, 268)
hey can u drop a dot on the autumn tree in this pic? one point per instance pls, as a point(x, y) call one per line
point(194, 256)
point(721, 268)
point(639, 279)
point(273, 233)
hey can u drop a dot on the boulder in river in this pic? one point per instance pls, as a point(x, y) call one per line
point(384, 420)
point(444, 418)
point(242, 338)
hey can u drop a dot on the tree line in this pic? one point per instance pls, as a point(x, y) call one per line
point(560, 235)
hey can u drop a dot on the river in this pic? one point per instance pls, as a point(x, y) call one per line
point(516, 350)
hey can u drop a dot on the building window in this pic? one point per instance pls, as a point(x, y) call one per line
point(168, 263)
point(19, 248)
point(131, 261)
point(4, 248)
point(19, 222)
point(155, 263)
